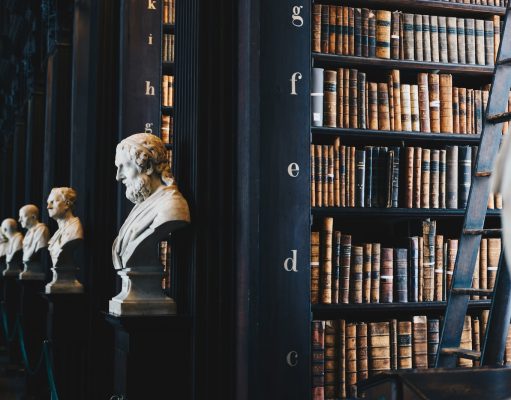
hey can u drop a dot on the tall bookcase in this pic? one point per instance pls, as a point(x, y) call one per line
point(389, 227)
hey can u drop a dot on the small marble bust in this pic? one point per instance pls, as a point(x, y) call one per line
point(37, 234)
point(160, 209)
point(4, 245)
point(14, 254)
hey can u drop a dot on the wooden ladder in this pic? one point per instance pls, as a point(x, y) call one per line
point(473, 228)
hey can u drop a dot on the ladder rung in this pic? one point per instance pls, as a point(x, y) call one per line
point(497, 118)
point(462, 353)
point(504, 61)
point(472, 291)
point(482, 173)
point(486, 232)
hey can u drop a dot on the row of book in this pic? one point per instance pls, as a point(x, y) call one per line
point(167, 91)
point(343, 98)
point(495, 3)
point(169, 11)
point(343, 272)
point(345, 353)
point(168, 47)
point(404, 36)
point(374, 176)
point(167, 128)
point(165, 261)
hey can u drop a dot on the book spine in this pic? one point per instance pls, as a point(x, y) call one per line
point(413, 257)
point(353, 98)
point(337, 172)
point(351, 31)
point(383, 107)
point(401, 275)
point(421, 269)
point(434, 102)
point(371, 40)
point(455, 110)
point(383, 21)
point(351, 354)
point(395, 177)
point(373, 105)
point(338, 29)
point(362, 362)
point(365, 32)
point(479, 39)
point(404, 344)
point(489, 43)
point(318, 157)
point(396, 92)
point(358, 31)
point(446, 118)
point(434, 168)
point(375, 272)
point(408, 39)
point(465, 173)
point(324, 174)
point(409, 177)
point(494, 249)
point(452, 177)
point(341, 358)
point(390, 85)
point(424, 117)
point(406, 112)
point(356, 274)
point(417, 175)
point(345, 31)
point(478, 111)
point(360, 178)
point(462, 99)
point(470, 41)
point(330, 98)
point(362, 111)
point(470, 112)
point(483, 265)
point(336, 267)
point(368, 195)
point(428, 234)
point(314, 267)
point(460, 22)
point(366, 273)
point(442, 40)
point(496, 36)
point(326, 261)
point(330, 360)
point(325, 28)
point(393, 344)
point(426, 38)
point(433, 28)
point(352, 176)
point(452, 251)
point(414, 104)
point(379, 347)
point(418, 36)
point(332, 14)
point(342, 168)
point(318, 360)
point(452, 40)
point(420, 342)
point(346, 98)
point(466, 341)
point(475, 276)
point(425, 178)
point(376, 177)
point(476, 339)
point(433, 340)
point(439, 268)
point(344, 274)
point(386, 276)
point(394, 35)
point(442, 167)
point(317, 96)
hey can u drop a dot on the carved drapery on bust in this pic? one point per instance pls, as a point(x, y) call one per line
point(37, 234)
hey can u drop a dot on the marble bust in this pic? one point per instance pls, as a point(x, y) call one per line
point(160, 209)
point(35, 241)
point(4, 244)
point(14, 253)
point(64, 241)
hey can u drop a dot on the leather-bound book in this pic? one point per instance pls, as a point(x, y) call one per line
point(475, 277)
point(365, 32)
point(470, 110)
point(368, 191)
point(421, 269)
point(345, 31)
point(326, 260)
point(371, 40)
point(319, 174)
point(394, 176)
point(462, 99)
point(342, 173)
point(352, 176)
point(390, 84)
point(442, 167)
point(330, 99)
point(476, 337)
point(386, 275)
point(366, 273)
point(455, 110)
point(417, 27)
point(393, 344)
point(332, 30)
point(417, 177)
point(348, 176)
point(351, 354)
point(483, 265)
point(338, 29)
point(409, 194)
point(460, 22)
point(358, 32)
point(336, 267)
point(356, 274)
point(383, 21)
point(337, 172)
point(353, 98)
point(413, 263)
point(451, 197)
point(465, 174)
point(406, 111)
point(362, 361)
point(375, 272)
point(318, 360)
point(452, 40)
point(408, 37)
point(425, 178)
point(379, 347)
point(426, 38)
point(428, 234)
point(489, 43)
point(330, 360)
point(435, 48)
point(470, 41)
point(446, 118)
point(331, 178)
point(314, 267)
point(325, 175)
point(346, 98)
point(424, 117)
point(404, 344)
point(494, 249)
point(317, 96)
point(341, 358)
point(373, 105)
point(478, 111)
point(420, 342)
point(452, 251)
point(344, 274)
point(325, 28)
point(496, 36)
point(383, 107)
point(442, 40)
point(351, 30)
point(395, 38)
point(414, 107)
point(433, 340)
point(466, 341)
point(396, 94)
point(434, 101)
point(360, 160)
point(401, 275)
point(361, 101)
point(439, 268)
point(434, 168)
point(479, 38)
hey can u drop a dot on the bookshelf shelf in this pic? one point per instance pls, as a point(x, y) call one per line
point(386, 136)
point(321, 60)
point(354, 212)
point(168, 67)
point(167, 110)
point(428, 6)
point(386, 310)
point(169, 28)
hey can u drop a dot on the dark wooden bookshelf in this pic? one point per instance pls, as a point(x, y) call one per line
point(168, 28)
point(376, 135)
point(327, 60)
point(405, 213)
point(446, 8)
point(167, 67)
point(167, 110)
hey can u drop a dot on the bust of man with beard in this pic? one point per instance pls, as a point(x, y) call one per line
point(160, 208)
point(37, 234)
point(14, 253)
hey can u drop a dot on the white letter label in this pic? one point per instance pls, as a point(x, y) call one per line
point(290, 263)
point(292, 358)
point(297, 18)
point(149, 90)
point(150, 38)
point(148, 127)
point(151, 4)
point(293, 170)
point(293, 79)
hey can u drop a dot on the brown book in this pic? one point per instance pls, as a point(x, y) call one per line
point(479, 39)
point(383, 21)
point(332, 15)
point(383, 107)
point(420, 342)
point(353, 98)
point(478, 111)
point(371, 34)
point(345, 31)
point(401, 275)
point(345, 267)
point(507, 355)
point(330, 99)
point(391, 101)
point(484, 321)
point(337, 172)
point(358, 32)
point(452, 251)
point(314, 267)
point(331, 167)
point(316, 28)
point(351, 30)
point(393, 344)
point(425, 177)
point(442, 40)
point(325, 176)
point(318, 157)
point(421, 269)
point(408, 37)
point(414, 106)
point(489, 42)
point(418, 34)
point(409, 177)
point(455, 110)
point(494, 249)
point(365, 32)
point(341, 358)
point(379, 345)
point(446, 119)
point(336, 266)
point(396, 92)
point(375, 272)
point(325, 28)
point(434, 102)
point(439, 268)
point(428, 234)
point(433, 340)
point(362, 100)
point(338, 30)
point(462, 99)
point(470, 115)
point(475, 277)
point(318, 360)
point(496, 36)
point(483, 265)
point(452, 40)
point(326, 260)
point(362, 362)
point(394, 35)
point(417, 175)
point(460, 29)
point(442, 166)
point(424, 117)
point(386, 276)
point(356, 274)
point(434, 168)
point(373, 105)
point(340, 97)
point(406, 111)
point(342, 174)
point(404, 344)
point(470, 41)
point(366, 273)
point(466, 341)
point(476, 338)
point(426, 38)
point(351, 354)
point(348, 175)
point(330, 360)
point(433, 28)
point(346, 98)
point(352, 176)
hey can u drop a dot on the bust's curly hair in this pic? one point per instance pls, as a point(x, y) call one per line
point(148, 152)
point(68, 194)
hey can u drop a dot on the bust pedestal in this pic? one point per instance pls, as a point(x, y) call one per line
point(64, 271)
point(15, 265)
point(34, 268)
point(152, 356)
point(11, 304)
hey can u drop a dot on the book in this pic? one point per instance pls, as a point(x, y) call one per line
point(351, 354)
point(413, 263)
point(433, 29)
point(336, 267)
point(326, 260)
point(375, 272)
point(330, 98)
point(466, 341)
point(330, 370)
point(489, 42)
point(383, 22)
point(470, 41)
point(451, 197)
point(465, 174)
point(318, 360)
point(362, 361)
point(428, 235)
point(332, 29)
point(386, 276)
point(424, 117)
point(356, 274)
point(406, 110)
point(341, 358)
point(460, 30)
point(345, 269)
point(317, 96)
point(366, 273)
point(452, 40)
point(408, 36)
point(426, 38)
point(383, 107)
point(439, 268)
point(434, 101)
point(494, 250)
point(379, 345)
point(446, 118)
point(361, 98)
point(314, 267)
point(433, 340)
point(479, 41)
point(442, 40)
point(417, 175)
point(483, 265)
point(434, 178)
point(365, 32)
point(395, 35)
point(325, 28)
point(404, 344)
point(338, 30)
point(419, 342)
point(418, 37)
point(396, 93)
point(401, 275)
point(371, 34)
point(414, 105)
point(425, 178)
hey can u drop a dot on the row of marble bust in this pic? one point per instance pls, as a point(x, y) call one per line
point(160, 209)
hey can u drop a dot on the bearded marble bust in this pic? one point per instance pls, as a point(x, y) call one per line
point(143, 167)
point(14, 237)
point(37, 234)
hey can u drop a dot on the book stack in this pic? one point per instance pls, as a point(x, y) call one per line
point(167, 90)
point(345, 352)
point(169, 12)
point(397, 35)
point(168, 47)
point(343, 271)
